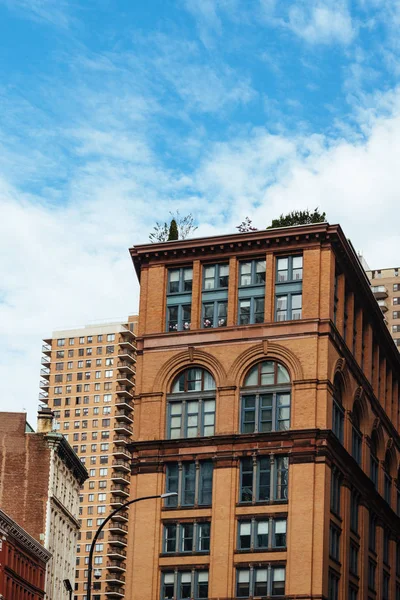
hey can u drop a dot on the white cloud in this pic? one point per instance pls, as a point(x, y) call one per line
point(321, 21)
point(54, 12)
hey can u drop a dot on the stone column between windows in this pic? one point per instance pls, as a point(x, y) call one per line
point(379, 560)
point(359, 335)
point(363, 516)
point(345, 501)
point(340, 306)
point(227, 410)
point(196, 295)
point(350, 320)
point(309, 494)
point(311, 283)
point(269, 303)
point(326, 283)
point(232, 291)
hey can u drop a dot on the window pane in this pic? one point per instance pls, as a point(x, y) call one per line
point(259, 310)
point(265, 413)
point(222, 313)
point(209, 277)
point(209, 383)
point(282, 374)
point(260, 584)
point(262, 534)
point(223, 275)
point(204, 538)
point(249, 414)
point(244, 312)
point(170, 538)
point(202, 582)
point(278, 581)
point(208, 311)
point(186, 542)
point(206, 472)
point(172, 318)
point(187, 280)
point(189, 474)
point(267, 373)
point(260, 271)
point(244, 535)
point(252, 377)
point(243, 583)
point(264, 479)
point(174, 281)
point(245, 273)
point(282, 269)
point(281, 478)
point(186, 312)
point(246, 484)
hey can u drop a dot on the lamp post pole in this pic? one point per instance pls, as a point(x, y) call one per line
point(96, 535)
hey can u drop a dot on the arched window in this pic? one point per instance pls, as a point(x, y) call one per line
point(266, 399)
point(374, 463)
point(191, 405)
point(337, 412)
point(356, 436)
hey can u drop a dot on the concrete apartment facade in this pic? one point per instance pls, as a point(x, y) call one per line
point(88, 381)
point(267, 398)
point(385, 284)
point(22, 563)
point(40, 479)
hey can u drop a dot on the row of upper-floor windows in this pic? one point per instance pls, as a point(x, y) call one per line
point(265, 402)
point(109, 337)
point(253, 533)
point(251, 292)
point(261, 479)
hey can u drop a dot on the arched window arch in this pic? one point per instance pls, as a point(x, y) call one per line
point(265, 398)
point(338, 411)
point(356, 436)
point(374, 462)
point(191, 405)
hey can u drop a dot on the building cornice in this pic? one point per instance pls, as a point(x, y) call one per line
point(67, 455)
point(66, 512)
point(13, 530)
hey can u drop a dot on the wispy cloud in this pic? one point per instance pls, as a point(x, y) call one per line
point(54, 12)
point(321, 21)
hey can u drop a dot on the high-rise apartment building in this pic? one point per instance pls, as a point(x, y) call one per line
point(88, 380)
point(267, 400)
point(385, 284)
point(40, 480)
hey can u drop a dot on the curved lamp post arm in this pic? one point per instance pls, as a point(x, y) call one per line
point(96, 535)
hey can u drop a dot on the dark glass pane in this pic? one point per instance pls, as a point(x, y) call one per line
point(172, 318)
point(206, 472)
point(189, 478)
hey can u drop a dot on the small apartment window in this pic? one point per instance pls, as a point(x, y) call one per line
point(109, 349)
point(81, 340)
point(70, 353)
point(191, 405)
point(396, 314)
point(58, 390)
point(396, 300)
point(261, 534)
point(180, 280)
point(353, 559)
point(110, 337)
point(265, 402)
point(396, 287)
point(334, 542)
point(184, 585)
point(192, 482)
point(186, 537)
point(371, 574)
point(264, 479)
point(59, 366)
point(60, 354)
point(335, 491)
point(251, 292)
point(71, 341)
point(263, 581)
point(337, 413)
point(61, 342)
point(333, 585)
point(108, 373)
point(215, 313)
point(99, 350)
point(215, 277)
point(288, 288)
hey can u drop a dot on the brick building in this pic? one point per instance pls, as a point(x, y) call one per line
point(22, 563)
point(267, 398)
point(40, 479)
point(386, 289)
point(88, 380)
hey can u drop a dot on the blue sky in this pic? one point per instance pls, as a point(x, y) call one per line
point(113, 113)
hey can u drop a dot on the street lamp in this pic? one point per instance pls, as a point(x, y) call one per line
point(96, 535)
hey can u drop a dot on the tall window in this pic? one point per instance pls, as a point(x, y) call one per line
point(337, 413)
point(336, 480)
point(263, 581)
point(215, 295)
point(354, 505)
point(334, 542)
point(191, 405)
point(333, 585)
point(186, 537)
point(184, 585)
point(261, 533)
point(374, 463)
point(288, 288)
point(264, 479)
point(192, 481)
point(266, 399)
point(387, 480)
point(179, 298)
point(356, 436)
point(251, 292)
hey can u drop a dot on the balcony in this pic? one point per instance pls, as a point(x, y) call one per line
point(116, 553)
point(123, 365)
point(115, 579)
point(121, 415)
point(117, 502)
point(118, 540)
point(121, 465)
point(119, 489)
point(127, 344)
point(123, 516)
point(115, 592)
point(120, 440)
point(124, 403)
point(121, 452)
point(45, 361)
point(120, 478)
point(124, 378)
point(44, 384)
point(383, 305)
point(123, 428)
point(45, 373)
point(46, 349)
point(124, 390)
point(118, 528)
point(126, 354)
point(114, 565)
point(43, 397)
point(380, 292)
